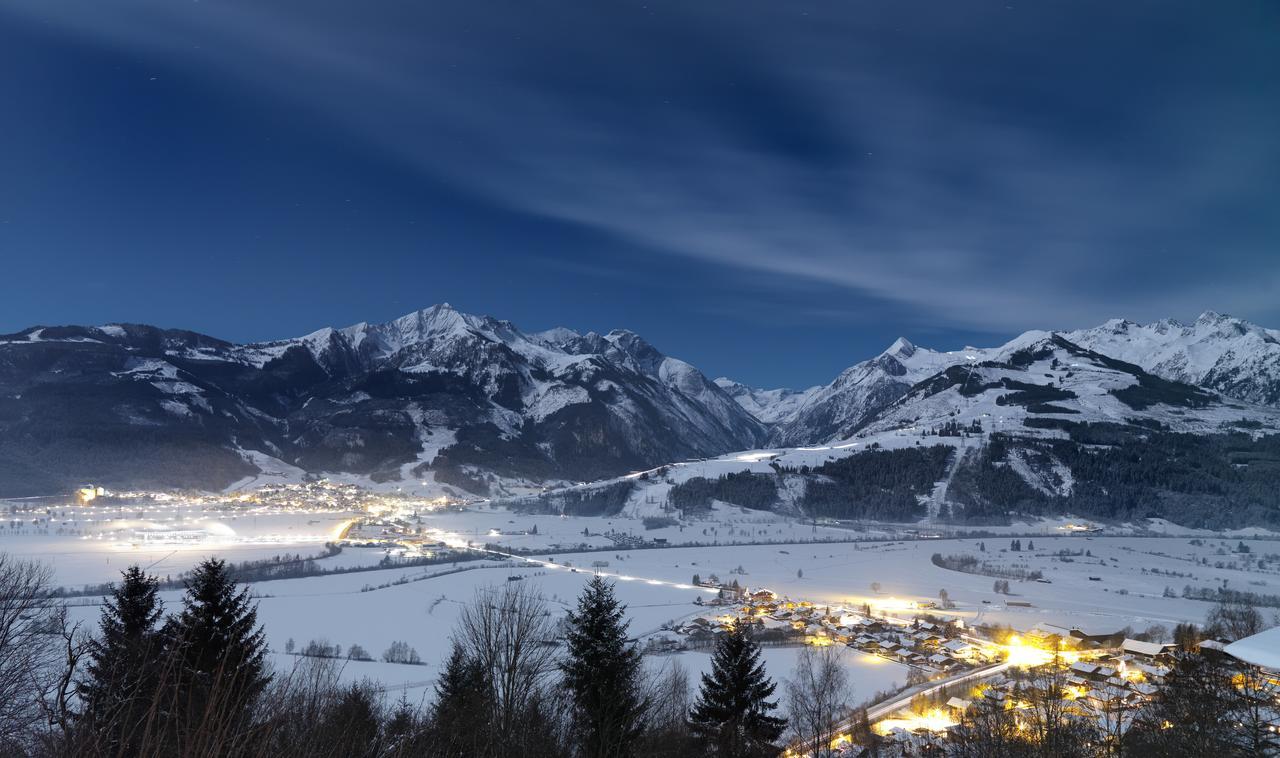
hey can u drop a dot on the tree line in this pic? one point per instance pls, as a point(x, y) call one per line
point(1208, 705)
point(884, 485)
point(1123, 472)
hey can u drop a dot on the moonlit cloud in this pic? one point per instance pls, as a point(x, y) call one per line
point(998, 168)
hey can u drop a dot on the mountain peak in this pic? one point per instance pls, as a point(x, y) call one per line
point(901, 347)
point(1213, 318)
point(434, 320)
point(557, 335)
point(1118, 325)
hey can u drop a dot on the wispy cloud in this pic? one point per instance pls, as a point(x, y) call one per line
point(966, 190)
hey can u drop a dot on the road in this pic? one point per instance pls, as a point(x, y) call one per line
point(889, 707)
point(902, 701)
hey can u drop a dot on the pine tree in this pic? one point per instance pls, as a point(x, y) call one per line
point(121, 680)
point(402, 728)
point(732, 714)
point(217, 649)
point(460, 718)
point(602, 675)
point(354, 723)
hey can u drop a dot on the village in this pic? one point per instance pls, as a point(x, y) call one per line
point(1103, 679)
point(924, 661)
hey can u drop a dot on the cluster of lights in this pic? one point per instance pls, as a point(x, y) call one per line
point(1025, 655)
point(933, 720)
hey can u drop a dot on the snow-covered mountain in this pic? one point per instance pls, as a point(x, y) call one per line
point(858, 393)
point(770, 406)
point(1040, 379)
point(1038, 426)
point(442, 399)
point(1228, 355)
point(1220, 352)
point(437, 397)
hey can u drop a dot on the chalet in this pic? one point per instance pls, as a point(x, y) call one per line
point(1090, 636)
point(1261, 650)
point(1145, 650)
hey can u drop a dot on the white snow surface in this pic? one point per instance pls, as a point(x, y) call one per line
point(1134, 573)
point(1236, 357)
point(770, 406)
point(366, 608)
point(1262, 649)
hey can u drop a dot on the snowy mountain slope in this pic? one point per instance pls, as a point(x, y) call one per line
point(1046, 376)
point(770, 406)
point(833, 411)
point(436, 397)
point(860, 392)
point(442, 399)
point(1226, 354)
point(1037, 426)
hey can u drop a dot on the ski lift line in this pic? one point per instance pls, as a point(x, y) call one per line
point(158, 560)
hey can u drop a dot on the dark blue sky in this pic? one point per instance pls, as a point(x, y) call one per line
point(770, 190)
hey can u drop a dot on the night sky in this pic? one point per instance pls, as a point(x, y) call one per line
point(770, 190)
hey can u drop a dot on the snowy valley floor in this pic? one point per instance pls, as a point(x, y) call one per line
point(1106, 583)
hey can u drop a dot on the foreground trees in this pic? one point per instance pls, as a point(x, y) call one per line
point(507, 634)
point(215, 664)
point(1208, 706)
point(26, 657)
point(732, 716)
point(187, 687)
point(197, 684)
point(602, 676)
point(458, 725)
point(818, 697)
point(989, 730)
point(668, 734)
point(122, 676)
point(1233, 619)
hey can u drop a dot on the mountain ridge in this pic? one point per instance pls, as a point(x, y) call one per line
point(442, 401)
point(1229, 355)
point(436, 395)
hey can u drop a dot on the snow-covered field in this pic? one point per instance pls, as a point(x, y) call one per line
point(90, 547)
point(368, 609)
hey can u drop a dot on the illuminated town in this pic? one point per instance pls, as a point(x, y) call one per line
point(950, 656)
